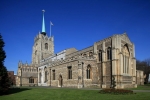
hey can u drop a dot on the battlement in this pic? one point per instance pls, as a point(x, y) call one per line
point(23, 65)
point(61, 61)
point(44, 37)
point(80, 52)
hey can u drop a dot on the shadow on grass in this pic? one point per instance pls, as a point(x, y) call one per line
point(15, 90)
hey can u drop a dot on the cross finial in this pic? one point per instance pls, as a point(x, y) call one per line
point(43, 10)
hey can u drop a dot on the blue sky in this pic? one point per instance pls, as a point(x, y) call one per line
point(77, 23)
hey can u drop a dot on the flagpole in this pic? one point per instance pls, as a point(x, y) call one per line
point(50, 28)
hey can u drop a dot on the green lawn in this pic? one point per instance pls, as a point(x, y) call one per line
point(142, 87)
point(68, 94)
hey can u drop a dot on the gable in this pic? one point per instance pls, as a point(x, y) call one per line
point(125, 38)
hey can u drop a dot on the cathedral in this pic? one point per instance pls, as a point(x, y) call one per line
point(100, 65)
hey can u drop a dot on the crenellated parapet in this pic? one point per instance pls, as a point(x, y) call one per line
point(83, 52)
point(61, 61)
point(44, 37)
point(26, 66)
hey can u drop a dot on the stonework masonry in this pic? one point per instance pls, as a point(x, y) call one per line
point(93, 66)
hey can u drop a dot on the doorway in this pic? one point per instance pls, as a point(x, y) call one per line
point(60, 81)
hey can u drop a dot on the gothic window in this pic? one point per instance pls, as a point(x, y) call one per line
point(70, 72)
point(100, 55)
point(31, 80)
point(46, 46)
point(53, 74)
point(40, 77)
point(84, 55)
point(90, 54)
point(126, 59)
point(109, 53)
point(45, 76)
point(88, 72)
point(36, 52)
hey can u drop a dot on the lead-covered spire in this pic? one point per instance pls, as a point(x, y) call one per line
point(43, 23)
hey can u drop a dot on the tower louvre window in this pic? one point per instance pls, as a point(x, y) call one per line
point(46, 46)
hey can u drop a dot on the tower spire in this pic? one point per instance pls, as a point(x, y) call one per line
point(43, 23)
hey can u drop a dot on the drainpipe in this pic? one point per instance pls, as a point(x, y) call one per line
point(21, 78)
point(82, 75)
point(50, 77)
point(111, 63)
point(101, 73)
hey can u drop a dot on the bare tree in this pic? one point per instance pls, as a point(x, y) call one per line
point(147, 61)
point(144, 66)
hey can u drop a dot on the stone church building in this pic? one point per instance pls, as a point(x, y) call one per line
point(94, 66)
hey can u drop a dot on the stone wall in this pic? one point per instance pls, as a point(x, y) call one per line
point(25, 81)
point(139, 77)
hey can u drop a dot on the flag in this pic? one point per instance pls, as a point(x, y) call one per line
point(51, 23)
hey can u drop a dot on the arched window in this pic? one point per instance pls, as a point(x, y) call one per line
point(100, 55)
point(88, 72)
point(126, 55)
point(84, 55)
point(45, 76)
point(90, 54)
point(53, 74)
point(40, 77)
point(46, 46)
point(109, 55)
point(31, 80)
point(36, 52)
point(70, 72)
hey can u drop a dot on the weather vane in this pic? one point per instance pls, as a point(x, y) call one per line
point(43, 10)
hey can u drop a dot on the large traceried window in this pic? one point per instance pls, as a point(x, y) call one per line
point(126, 56)
point(100, 55)
point(88, 72)
point(70, 72)
point(46, 46)
point(109, 55)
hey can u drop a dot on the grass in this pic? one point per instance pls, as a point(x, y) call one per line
point(142, 87)
point(67, 94)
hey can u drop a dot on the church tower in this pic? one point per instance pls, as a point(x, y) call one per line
point(43, 45)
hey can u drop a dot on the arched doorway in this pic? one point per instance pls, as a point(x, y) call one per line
point(60, 80)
